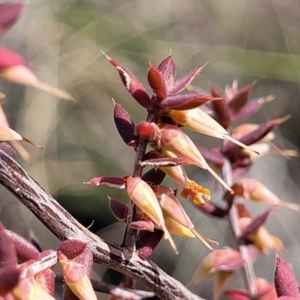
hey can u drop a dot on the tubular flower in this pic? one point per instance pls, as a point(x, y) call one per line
point(198, 193)
point(145, 199)
point(198, 120)
point(174, 140)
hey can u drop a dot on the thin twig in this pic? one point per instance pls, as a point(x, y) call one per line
point(64, 226)
point(248, 271)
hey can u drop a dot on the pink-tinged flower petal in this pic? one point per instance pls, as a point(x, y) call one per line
point(115, 182)
point(226, 259)
point(198, 120)
point(124, 124)
point(257, 222)
point(222, 278)
point(181, 83)
point(185, 102)
point(9, 59)
point(284, 280)
point(168, 70)
point(265, 290)
point(157, 82)
point(46, 279)
point(29, 289)
point(144, 197)
point(237, 294)
point(72, 248)
point(76, 278)
point(9, 14)
point(9, 278)
point(250, 108)
point(7, 134)
point(133, 86)
point(220, 108)
point(147, 242)
point(174, 140)
point(118, 209)
point(240, 98)
point(256, 191)
point(25, 250)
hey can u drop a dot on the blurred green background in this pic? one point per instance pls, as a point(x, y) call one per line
point(61, 40)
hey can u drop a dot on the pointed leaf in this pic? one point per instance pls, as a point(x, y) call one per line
point(181, 83)
point(147, 242)
point(142, 225)
point(133, 86)
point(157, 82)
point(115, 182)
point(9, 14)
point(284, 280)
point(257, 222)
point(221, 280)
point(220, 108)
point(250, 108)
point(124, 124)
point(168, 70)
point(213, 155)
point(72, 248)
point(187, 101)
point(255, 135)
point(240, 98)
point(118, 209)
point(213, 210)
point(155, 176)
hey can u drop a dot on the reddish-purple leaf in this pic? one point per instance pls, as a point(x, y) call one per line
point(213, 155)
point(284, 280)
point(124, 124)
point(249, 108)
point(9, 278)
point(157, 82)
point(164, 161)
point(10, 59)
point(168, 70)
point(9, 14)
point(72, 248)
point(213, 210)
point(118, 209)
point(133, 86)
point(187, 101)
point(255, 135)
point(256, 222)
point(8, 150)
point(220, 109)
point(240, 98)
point(155, 176)
point(181, 83)
point(115, 182)
point(86, 259)
point(25, 249)
point(147, 242)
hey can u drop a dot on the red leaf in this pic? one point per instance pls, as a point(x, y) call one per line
point(183, 102)
point(284, 280)
point(220, 109)
point(9, 277)
point(72, 248)
point(133, 86)
point(118, 209)
point(168, 70)
point(157, 82)
point(124, 124)
point(237, 294)
point(257, 222)
point(10, 59)
point(241, 98)
point(181, 83)
point(9, 14)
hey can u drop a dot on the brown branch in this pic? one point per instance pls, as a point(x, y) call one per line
point(64, 226)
